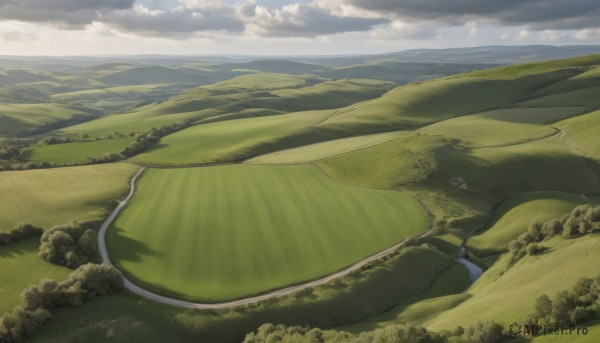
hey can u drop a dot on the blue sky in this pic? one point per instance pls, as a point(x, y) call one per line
point(284, 27)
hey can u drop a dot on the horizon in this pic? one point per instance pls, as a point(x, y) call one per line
point(323, 55)
point(287, 27)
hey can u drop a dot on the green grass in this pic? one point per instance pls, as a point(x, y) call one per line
point(49, 197)
point(225, 232)
point(77, 152)
point(427, 102)
point(318, 151)
point(351, 299)
point(325, 95)
point(593, 335)
point(580, 64)
point(508, 296)
point(501, 127)
point(225, 141)
point(20, 266)
point(582, 131)
point(19, 117)
point(514, 215)
point(430, 162)
point(586, 97)
point(446, 288)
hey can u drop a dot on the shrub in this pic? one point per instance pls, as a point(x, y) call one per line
point(534, 249)
point(19, 232)
point(83, 284)
point(71, 245)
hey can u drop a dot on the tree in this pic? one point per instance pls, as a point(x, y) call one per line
point(543, 306)
point(563, 305)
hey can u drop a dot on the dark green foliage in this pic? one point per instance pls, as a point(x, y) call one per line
point(18, 233)
point(481, 332)
point(70, 245)
point(147, 138)
point(582, 220)
point(485, 332)
point(11, 151)
point(534, 249)
point(577, 306)
point(85, 283)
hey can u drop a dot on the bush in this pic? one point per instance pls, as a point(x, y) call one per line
point(19, 232)
point(534, 249)
point(85, 283)
point(71, 245)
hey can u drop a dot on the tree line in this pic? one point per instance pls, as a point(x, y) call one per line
point(480, 332)
point(13, 154)
point(85, 283)
point(70, 245)
point(581, 220)
point(143, 141)
point(577, 306)
point(19, 232)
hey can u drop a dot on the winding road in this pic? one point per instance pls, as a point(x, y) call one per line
point(249, 300)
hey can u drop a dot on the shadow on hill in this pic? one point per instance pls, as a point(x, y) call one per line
point(26, 246)
point(123, 248)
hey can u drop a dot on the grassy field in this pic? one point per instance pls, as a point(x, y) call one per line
point(430, 161)
point(225, 141)
point(427, 102)
point(319, 151)
point(501, 127)
point(508, 296)
point(514, 215)
point(416, 310)
point(290, 224)
point(20, 266)
point(49, 197)
point(352, 299)
point(76, 152)
point(18, 117)
point(582, 131)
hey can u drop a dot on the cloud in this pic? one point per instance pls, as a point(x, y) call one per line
point(403, 30)
point(183, 20)
point(298, 20)
point(537, 14)
point(71, 14)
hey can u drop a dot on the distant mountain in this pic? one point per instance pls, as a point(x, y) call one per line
point(491, 54)
point(400, 72)
point(273, 66)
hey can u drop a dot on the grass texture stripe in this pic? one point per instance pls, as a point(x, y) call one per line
point(221, 233)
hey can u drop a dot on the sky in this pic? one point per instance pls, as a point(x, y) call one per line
point(287, 27)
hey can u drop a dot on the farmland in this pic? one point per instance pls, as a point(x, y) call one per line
point(258, 177)
point(291, 224)
point(51, 197)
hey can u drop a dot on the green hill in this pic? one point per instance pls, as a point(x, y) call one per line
point(272, 66)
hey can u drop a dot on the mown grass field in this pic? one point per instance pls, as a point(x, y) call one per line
point(508, 296)
point(49, 197)
point(514, 215)
point(77, 152)
point(225, 141)
point(20, 266)
point(226, 232)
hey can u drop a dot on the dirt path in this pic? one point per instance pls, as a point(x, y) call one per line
point(274, 294)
